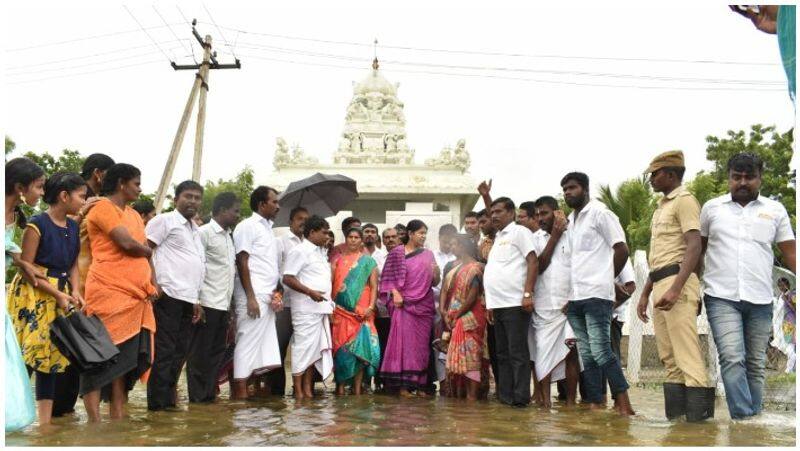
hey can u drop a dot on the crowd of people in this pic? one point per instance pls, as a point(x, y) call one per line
point(523, 295)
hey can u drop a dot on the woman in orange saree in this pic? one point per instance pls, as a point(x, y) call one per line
point(356, 350)
point(465, 316)
point(119, 290)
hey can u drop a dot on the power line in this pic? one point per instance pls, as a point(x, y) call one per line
point(170, 29)
point(187, 23)
point(45, 63)
point(69, 41)
point(504, 54)
point(55, 69)
point(233, 51)
point(86, 73)
point(513, 69)
point(148, 34)
point(500, 77)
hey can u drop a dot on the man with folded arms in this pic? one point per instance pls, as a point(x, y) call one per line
point(308, 273)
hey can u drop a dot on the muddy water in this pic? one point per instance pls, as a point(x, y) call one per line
point(384, 420)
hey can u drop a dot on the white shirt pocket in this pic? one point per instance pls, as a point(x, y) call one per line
point(587, 242)
point(502, 251)
point(762, 230)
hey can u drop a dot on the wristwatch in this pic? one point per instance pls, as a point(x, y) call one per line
point(526, 295)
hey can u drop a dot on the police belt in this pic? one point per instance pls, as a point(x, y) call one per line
point(663, 273)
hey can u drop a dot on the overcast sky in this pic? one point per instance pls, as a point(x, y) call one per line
point(558, 114)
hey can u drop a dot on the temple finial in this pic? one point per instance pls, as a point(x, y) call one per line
point(375, 55)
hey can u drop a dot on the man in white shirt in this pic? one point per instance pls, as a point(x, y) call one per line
point(738, 230)
point(283, 319)
point(255, 291)
point(509, 279)
point(555, 358)
point(308, 273)
point(208, 344)
point(598, 254)
point(443, 256)
point(383, 322)
point(371, 245)
point(178, 268)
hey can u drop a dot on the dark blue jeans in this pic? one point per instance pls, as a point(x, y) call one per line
point(741, 332)
point(590, 320)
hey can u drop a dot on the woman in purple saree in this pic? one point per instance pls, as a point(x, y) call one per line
point(408, 275)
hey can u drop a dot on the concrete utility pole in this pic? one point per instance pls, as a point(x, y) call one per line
point(200, 85)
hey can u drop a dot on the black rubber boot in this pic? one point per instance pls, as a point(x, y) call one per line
point(700, 403)
point(674, 400)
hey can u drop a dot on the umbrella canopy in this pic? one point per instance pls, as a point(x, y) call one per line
point(321, 194)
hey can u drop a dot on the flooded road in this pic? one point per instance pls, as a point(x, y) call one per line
point(386, 421)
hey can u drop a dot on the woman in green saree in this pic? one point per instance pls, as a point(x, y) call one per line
point(356, 351)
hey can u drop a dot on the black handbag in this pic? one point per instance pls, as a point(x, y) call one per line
point(83, 340)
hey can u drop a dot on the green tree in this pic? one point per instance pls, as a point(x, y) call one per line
point(634, 203)
point(10, 145)
point(242, 185)
point(68, 161)
point(773, 147)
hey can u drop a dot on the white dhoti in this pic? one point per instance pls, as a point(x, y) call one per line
point(311, 343)
point(256, 350)
point(552, 330)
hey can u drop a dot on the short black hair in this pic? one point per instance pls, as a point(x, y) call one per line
point(143, 206)
point(188, 185)
point(295, 211)
point(448, 229)
point(580, 177)
point(400, 227)
point(224, 201)
point(471, 214)
point(94, 161)
point(313, 224)
point(260, 194)
point(60, 182)
point(677, 170)
point(370, 225)
point(116, 174)
point(529, 207)
point(507, 203)
point(483, 212)
point(550, 201)
point(746, 162)
point(348, 221)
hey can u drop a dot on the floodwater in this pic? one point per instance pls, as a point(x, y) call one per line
point(389, 421)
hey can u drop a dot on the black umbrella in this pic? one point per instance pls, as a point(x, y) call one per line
point(321, 194)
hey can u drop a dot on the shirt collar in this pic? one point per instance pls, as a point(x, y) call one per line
point(728, 199)
point(508, 227)
point(674, 193)
point(182, 219)
point(262, 219)
point(215, 226)
point(591, 205)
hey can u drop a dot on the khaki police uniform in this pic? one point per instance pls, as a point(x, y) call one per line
point(676, 334)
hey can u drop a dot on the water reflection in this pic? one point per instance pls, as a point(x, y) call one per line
point(382, 420)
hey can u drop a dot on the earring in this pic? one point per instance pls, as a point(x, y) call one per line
point(22, 198)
